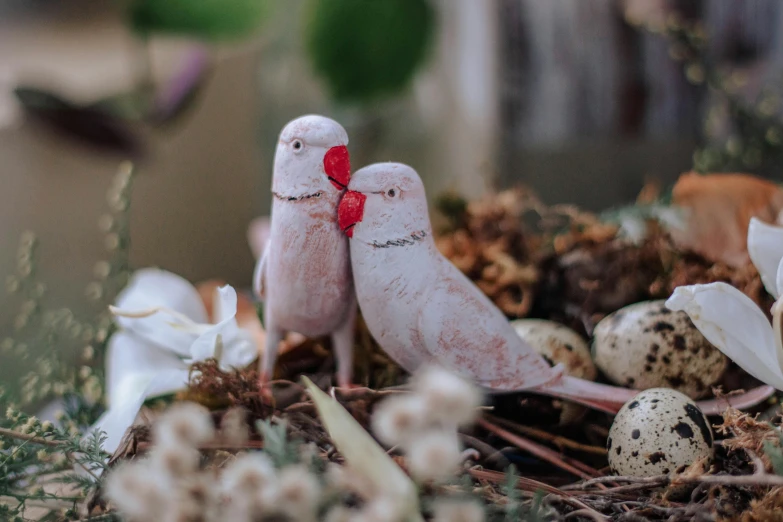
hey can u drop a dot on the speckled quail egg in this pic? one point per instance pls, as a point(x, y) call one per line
point(659, 431)
point(558, 344)
point(646, 345)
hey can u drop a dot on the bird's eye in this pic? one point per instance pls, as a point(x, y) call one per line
point(392, 193)
point(297, 145)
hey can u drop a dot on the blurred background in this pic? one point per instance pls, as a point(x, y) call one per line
point(582, 100)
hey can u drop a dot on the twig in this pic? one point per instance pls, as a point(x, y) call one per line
point(491, 454)
point(47, 503)
point(530, 485)
point(469, 454)
point(758, 465)
point(628, 488)
point(759, 479)
point(539, 451)
point(355, 394)
point(300, 407)
point(523, 483)
point(646, 505)
point(30, 438)
point(653, 481)
point(85, 468)
point(589, 512)
point(557, 440)
point(224, 446)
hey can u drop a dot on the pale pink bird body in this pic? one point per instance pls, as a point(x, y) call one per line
point(422, 309)
point(304, 274)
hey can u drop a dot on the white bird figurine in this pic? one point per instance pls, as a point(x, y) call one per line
point(304, 275)
point(422, 309)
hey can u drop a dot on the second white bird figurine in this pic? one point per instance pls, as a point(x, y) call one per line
point(422, 309)
point(304, 275)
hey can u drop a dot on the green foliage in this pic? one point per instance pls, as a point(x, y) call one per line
point(37, 456)
point(280, 449)
point(368, 49)
point(454, 208)
point(63, 352)
point(756, 143)
point(774, 450)
point(755, 139)
point(202, 19)
point(509, 488)
point(538, 511)
point(515, 510)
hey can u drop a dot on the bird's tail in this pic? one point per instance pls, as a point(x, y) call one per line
point(610, 399)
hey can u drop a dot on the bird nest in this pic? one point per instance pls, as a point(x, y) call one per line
point(533, 261)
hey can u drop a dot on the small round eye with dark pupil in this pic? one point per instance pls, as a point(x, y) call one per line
point(392, 193)
point(297, 145)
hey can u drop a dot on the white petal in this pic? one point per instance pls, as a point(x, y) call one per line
point(135, 389)
point(779, 280)
point(777, 329)
point(224, 304)
point(239, 353)
point(129, 354)
point(734, 324)
point(150, 288)
point(765, 246)
point(239, 349)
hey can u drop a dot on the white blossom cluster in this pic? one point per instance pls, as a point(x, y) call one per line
point(171, 484)
point(424, 423)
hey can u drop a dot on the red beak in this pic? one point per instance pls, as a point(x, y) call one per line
point(337, 165)
point(350, 211)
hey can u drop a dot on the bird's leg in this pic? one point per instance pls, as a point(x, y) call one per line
point(342, 343)
point(274, 335)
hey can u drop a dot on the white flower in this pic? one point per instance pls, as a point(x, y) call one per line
point(138, 493)
point(165, 328)
point(397, 419)
point(433, 455)
point(339, 514)
point(732, 321)
point(457, 511)
point(248, 474)
point(765, 246)
point(380, 509)
point(185, 423)
point(449, 397)
point(298, 493)
point(233, 426)
point(174, 461)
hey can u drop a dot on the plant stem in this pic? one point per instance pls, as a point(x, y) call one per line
point(29, 438)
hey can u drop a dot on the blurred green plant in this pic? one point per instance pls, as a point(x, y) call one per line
point(63, 352)
point(772, 448)
point(39, 462)
point(283, 451)
point(755, 137)
point(201, 19)
point(368, 49)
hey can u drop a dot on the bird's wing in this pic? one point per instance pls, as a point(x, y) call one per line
point(259, 275)
point(462, 330)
